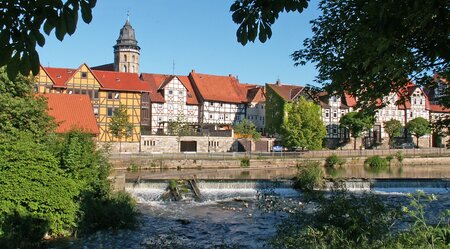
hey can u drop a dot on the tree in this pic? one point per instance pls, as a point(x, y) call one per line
point(356, 123)
point(119, 125)
point(22, 23)
point(255, 16)
point(393, 128)
point(367, 45)
point(303, 126)
point(418, 127)
point(21, 110)
point(247, 129)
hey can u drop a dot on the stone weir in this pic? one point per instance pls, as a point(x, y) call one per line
point(351, 184)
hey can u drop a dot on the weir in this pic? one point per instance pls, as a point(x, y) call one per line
point(151, 190)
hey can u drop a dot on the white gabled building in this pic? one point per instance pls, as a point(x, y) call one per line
point(172, 99)
point(222, 100)
point(256, 112)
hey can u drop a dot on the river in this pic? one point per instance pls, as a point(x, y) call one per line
point(229, 213)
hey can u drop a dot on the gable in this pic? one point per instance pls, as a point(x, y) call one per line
point(84, 77)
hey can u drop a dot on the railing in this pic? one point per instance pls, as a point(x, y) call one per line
point(282, 155)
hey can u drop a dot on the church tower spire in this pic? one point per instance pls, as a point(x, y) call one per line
point(126, 50)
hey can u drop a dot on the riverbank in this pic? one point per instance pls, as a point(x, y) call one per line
point(135, 163)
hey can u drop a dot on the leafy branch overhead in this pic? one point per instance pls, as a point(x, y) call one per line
point(255, 17)
point(22, 23)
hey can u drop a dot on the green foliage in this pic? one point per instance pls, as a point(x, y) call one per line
point(418, 127)
point(248, 129)
point(376, 164)
point(20, 110)
point(274, 111)
point(245, 162)
point(33, 186)
point(356, 123)
point(389, 159)
point(256, 17)
point(19, 36)
point(334, 160)
point(309, 176)
point(399, 155)
point(370, 49)
point(116, 211)
point(342, 220)
point(179, 127)
point(303, 126)
point(393, 128)
point(119, 125)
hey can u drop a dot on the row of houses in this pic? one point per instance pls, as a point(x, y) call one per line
point(208, 104)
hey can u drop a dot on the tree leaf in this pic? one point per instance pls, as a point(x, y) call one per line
point(13, 66)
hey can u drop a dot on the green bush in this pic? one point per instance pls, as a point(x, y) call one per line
point(376, 164)
point(309, 176)
point(399, 155)
point(117, 211)
point(245, 162)
point(334, 160)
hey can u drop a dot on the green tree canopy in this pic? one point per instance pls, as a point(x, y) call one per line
point(367, 45)
point(418, 127)
point(120, 126)
point(393, 128)
point(21, 110)
point(303, 126)
point(22, 23)
point(248, 129)
point(356, 123)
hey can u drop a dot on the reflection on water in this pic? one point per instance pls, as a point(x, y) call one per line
point(424, 171)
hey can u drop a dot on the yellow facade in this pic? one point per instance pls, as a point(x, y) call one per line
point(103, 102)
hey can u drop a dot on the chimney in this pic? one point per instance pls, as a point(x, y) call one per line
point(278, 83)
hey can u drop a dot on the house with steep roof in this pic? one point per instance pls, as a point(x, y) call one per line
point(107, 90)
point(222, 101)
point(278, 96)
point(72, 112)
point(172, 99)
point(255, 111)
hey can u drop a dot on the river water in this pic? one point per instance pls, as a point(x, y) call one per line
point(229, 213)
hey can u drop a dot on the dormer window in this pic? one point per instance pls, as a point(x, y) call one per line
point(83, 75)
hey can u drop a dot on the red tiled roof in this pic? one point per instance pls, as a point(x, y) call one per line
point(191, 98)
point(120, 81)
point(60, 76)
point(154, 81)
point(72, 111)
point(104, 67)
point(158, 81)
point(287, 92)
point(350, 101)
point(256, 94)
point(439, 108)
point(218, 88)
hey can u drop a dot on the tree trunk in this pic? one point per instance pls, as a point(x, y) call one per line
point(120, 144)
point(417, 141)
point(354, 143)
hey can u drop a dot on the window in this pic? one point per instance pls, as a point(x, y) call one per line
point(334, 114)
point(125, 58)
point(96, 111)
point(210, 116)
point(181, 93)
point(83, 75)
point(116, 96)
point(76, 91)
point(83, 91)
point(170, 92)
point(327, 114)
point(110, 95)
point(211, 103)
point(124, 68)
point(411, 114)
point(36, 88)
point(95, 94)
point(221, 104)
point(334, 99)
point(110, 111)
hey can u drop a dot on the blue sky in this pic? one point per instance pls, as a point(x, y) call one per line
point(197, 35)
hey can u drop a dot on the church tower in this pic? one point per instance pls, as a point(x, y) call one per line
point(126, 50)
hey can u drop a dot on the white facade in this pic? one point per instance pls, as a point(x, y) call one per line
point(256, 114)
point(332, 112)
point(174, 108)
point(222, 113)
